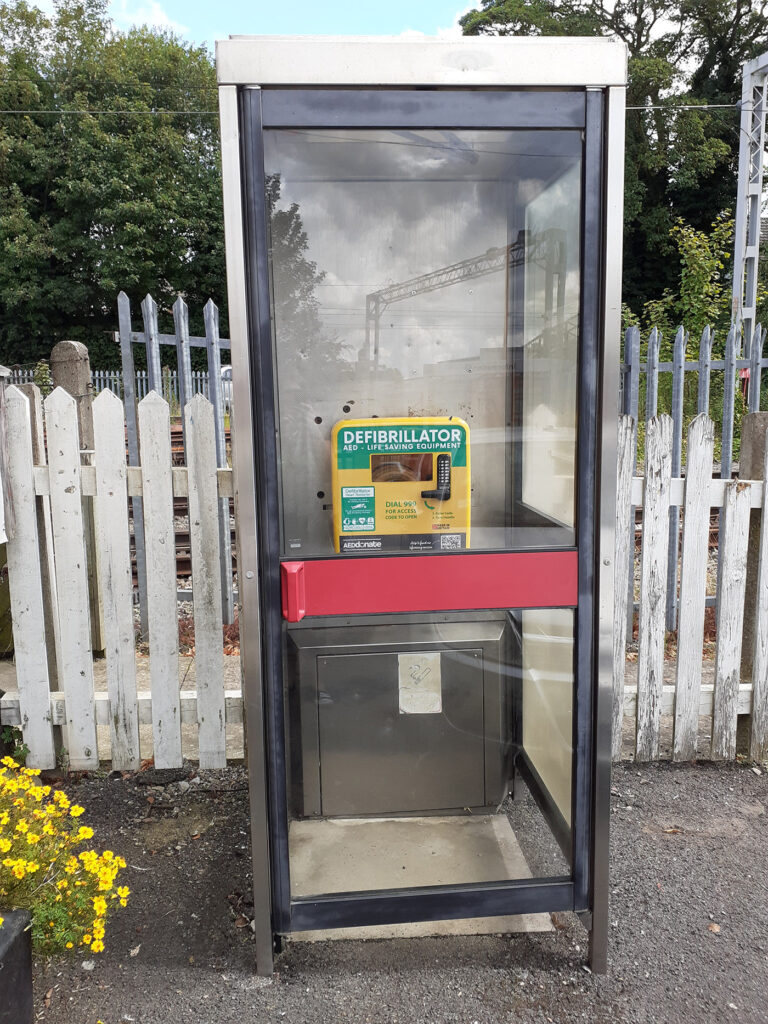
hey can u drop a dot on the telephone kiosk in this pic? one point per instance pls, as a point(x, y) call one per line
point(423, 285)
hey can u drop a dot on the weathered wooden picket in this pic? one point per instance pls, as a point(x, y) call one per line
point(690, 703)
point(62, 484)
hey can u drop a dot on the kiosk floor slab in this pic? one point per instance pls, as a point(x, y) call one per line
point(361, 854)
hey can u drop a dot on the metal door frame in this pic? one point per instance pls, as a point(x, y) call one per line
point(600, 304)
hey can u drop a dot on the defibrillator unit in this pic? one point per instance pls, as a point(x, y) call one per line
point(401, 484)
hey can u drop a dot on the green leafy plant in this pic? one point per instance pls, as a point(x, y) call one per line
point(70, 894)
point(13, 741)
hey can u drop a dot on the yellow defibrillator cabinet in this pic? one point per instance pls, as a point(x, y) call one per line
point(401, 484)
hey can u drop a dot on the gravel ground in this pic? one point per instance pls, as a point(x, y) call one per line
point(689, 921)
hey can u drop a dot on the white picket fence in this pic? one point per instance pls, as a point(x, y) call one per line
point(57, 491)
point(691, 703)
point(48, 502)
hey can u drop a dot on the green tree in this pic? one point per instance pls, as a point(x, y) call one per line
point(98, 191)
point(679, 163)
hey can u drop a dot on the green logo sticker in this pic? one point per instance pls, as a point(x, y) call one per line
point(358, 509)
point(355, 445)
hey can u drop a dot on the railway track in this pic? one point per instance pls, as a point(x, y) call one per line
point(182, 541)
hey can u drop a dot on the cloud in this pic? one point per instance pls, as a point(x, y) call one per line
point(452, 31)
point(125, 16)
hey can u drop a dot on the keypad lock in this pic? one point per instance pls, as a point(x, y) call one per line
point(443, 490)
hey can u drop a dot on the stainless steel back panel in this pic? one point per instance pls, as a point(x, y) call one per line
point(375, 760)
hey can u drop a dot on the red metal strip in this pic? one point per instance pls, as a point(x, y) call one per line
point(420, 583)
point(293, 591)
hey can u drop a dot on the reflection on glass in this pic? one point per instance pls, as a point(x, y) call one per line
point(550, 349)
point(429, 274)
point(547, 670)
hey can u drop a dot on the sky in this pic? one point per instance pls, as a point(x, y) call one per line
point(201, 21)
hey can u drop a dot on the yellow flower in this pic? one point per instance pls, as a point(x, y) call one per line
point(87, 940)
point(99, 905)
point(70, 945)
point(123, 891)
point(18, 869)
point(97, 946)
point(76, 811)
point(22, 826)
point(84, 832)
point(1, 921)
point(32, 838)
point(123, 903)
point(71, 866)
point(5, 845)
point(107, 855)
point(62, 883)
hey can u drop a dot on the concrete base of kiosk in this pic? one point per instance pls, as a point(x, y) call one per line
point(363, 854)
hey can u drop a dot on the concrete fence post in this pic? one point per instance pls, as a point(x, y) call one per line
point(71, 370)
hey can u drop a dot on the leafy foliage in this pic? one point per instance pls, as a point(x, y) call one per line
point(97, 192)
point(680, 163)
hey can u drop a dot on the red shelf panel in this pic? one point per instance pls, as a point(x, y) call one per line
point(419, 583)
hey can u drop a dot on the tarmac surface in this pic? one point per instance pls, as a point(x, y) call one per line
point(688, 937)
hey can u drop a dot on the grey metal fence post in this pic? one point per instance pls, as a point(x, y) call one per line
point(216, 396)
point(755, 369)
point(678, 377)
point(183, 362)
point(652, 374)
point(729, 398)
point(132, 432)
point(705, 359)
point(152, 344)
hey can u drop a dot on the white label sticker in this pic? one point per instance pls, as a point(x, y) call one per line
point(421, 691)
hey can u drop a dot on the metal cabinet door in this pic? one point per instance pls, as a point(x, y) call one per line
point(375, 759)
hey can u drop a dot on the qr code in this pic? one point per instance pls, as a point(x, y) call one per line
point(450, 542)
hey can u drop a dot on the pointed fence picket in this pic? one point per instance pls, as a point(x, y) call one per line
point(653, 585)
point(624, 538)
point(693, 586)
point(730, 614)
point(112, 537)
point(71, 579)
point(206, 576)
point(26, 587)
point(155, 434)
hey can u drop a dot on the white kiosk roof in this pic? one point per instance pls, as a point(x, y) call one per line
point(393, 60)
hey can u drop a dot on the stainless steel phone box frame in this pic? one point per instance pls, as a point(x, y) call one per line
point(596, 67)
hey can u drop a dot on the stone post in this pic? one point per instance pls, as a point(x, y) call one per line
point(71, 370)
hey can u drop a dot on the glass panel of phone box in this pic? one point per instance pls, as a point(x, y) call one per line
point(425, 297)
